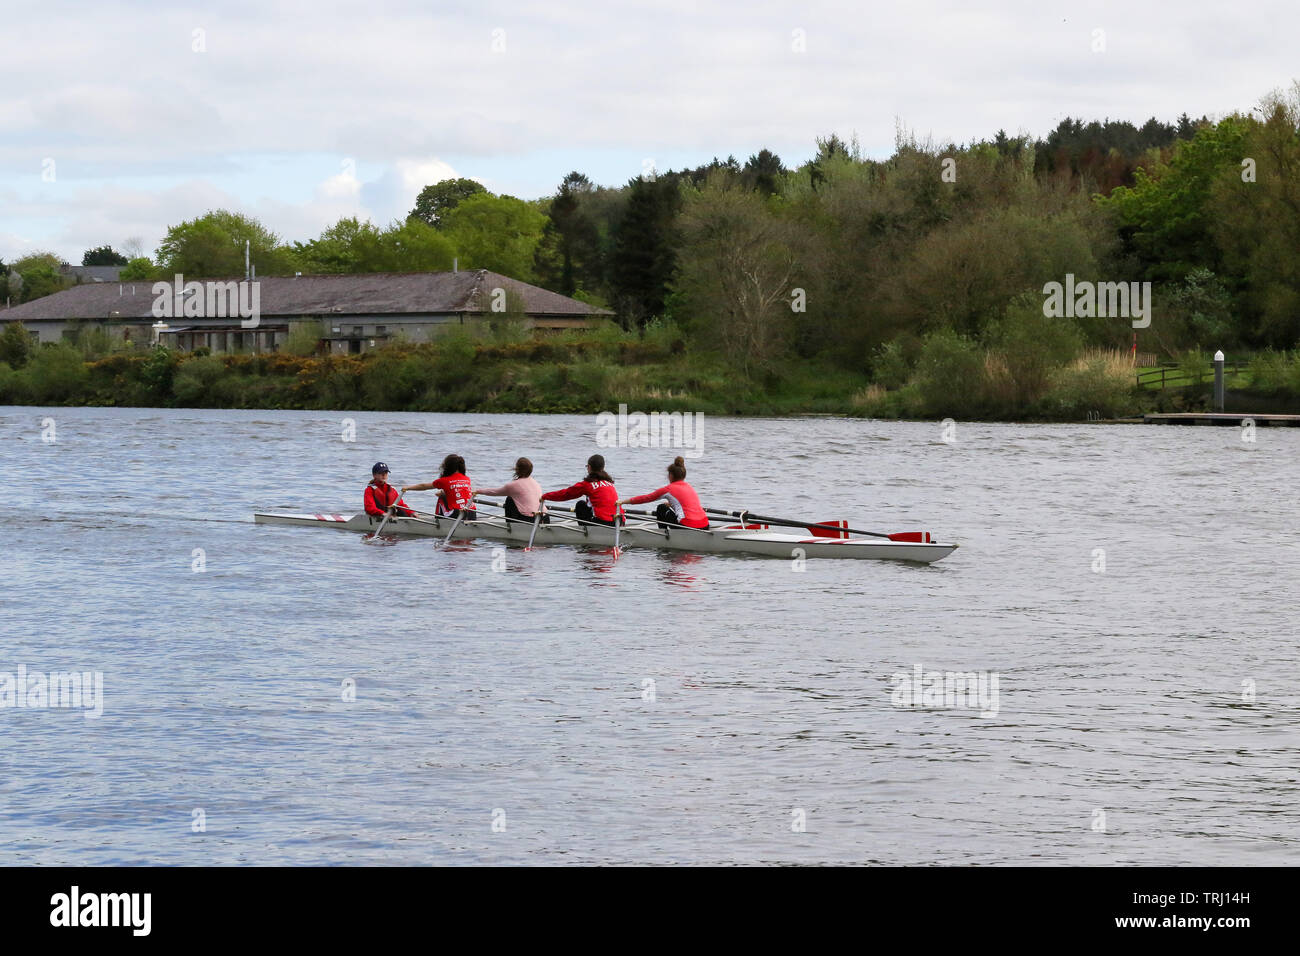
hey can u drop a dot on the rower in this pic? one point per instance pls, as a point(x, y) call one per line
point(523, 494)
point(681, 505)
point(599, 502)
point(381, 496)
point(453, 487)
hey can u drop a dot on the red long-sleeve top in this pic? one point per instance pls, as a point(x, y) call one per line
point(601, 495)
point(682, 499)
point(380, 497)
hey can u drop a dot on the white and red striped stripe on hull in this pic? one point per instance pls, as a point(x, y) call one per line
point(719, 539)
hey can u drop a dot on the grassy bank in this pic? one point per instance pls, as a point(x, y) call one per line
point(942, 375)
point(459, 373)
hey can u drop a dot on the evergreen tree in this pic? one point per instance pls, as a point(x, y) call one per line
point(103, 256)
point(645, 248)
point(763, 172)
point(567, 256)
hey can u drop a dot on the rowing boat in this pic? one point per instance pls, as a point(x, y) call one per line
point(719, 538)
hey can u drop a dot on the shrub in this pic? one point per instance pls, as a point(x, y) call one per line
point(93, 341)
point(1031, 347)
point(892, 366)
point(949, 375)
point(592, 380)
point(11, 386)
point(1194, 366)
point(875, 402)
point(157, 372)
point(1271, 372)
point(394, 381)
point(196, 381)
point(1098, 384)
point(15, 345)
point(454, 353)
point(56, 374)
point(303, 339)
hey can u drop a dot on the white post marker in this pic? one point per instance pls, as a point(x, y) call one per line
point(1218, 381)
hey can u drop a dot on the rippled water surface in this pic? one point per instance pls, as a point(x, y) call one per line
point(1146, 713)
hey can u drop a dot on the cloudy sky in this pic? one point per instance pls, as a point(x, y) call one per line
point(121, 118)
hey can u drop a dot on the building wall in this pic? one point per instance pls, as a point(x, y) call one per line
point(355, 333)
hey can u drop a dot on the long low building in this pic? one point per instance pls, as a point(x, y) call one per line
point(354, 313)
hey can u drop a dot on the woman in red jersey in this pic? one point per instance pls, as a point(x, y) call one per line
point(681, 505)
point(599, 496)
point(381, 496)
point(453, 487)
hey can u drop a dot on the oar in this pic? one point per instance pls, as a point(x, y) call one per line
point(593, 524)
point(537, 519)
point(387, 514)
point(792, 522)
point(460, 513)
point(617, 524)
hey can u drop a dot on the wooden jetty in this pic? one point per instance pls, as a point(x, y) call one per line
point(1218, 418)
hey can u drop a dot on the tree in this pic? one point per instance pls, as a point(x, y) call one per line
point(830, 150)
point(500, 233)
point(348, 246)
point(103, 256)
point(735, 275)
point(1166, 217)
point(353, 246)
point(38, 275)
point(212, 245)
point(434, 202)
point(764, 172)
point(1256, 221)
point(140, 269)
point(409, 246)
point(645, 248)
point(15, 344)
point(567, 255)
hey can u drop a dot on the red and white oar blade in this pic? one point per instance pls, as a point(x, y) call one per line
point(920, 537)
point(839, 529)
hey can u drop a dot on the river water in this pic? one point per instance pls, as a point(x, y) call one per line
point(1129, 592)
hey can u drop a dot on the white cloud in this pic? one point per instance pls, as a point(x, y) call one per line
point(407, 90)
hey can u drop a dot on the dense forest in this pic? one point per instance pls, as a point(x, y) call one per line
point(916, 281)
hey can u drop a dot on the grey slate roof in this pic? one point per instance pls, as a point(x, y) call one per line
point(367, 294)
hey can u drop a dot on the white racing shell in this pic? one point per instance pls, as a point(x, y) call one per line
point(719, 539)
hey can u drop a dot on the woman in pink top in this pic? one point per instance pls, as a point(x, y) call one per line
point(682, 504)
point(523, 495)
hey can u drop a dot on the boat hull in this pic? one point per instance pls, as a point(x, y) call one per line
point(635, 534)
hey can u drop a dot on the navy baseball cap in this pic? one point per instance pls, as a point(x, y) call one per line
point(379, 466)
